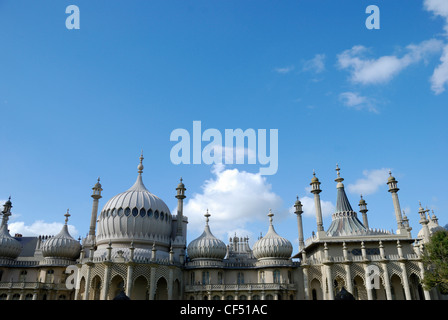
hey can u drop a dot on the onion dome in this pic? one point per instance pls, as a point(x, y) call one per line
point(272, 246)
point(10, 248)
point(135, 214)
point(314, 179)
point(433, 226)
point(62, 245)
point(207, 246)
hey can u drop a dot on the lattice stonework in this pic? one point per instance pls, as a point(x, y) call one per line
point(97, 270)
point(142, 270)
point(118, 269)
point(338, 271)
point(394, 268)
point(358, 270)
point(413, 268)
point(314, 273)
point(162, 271)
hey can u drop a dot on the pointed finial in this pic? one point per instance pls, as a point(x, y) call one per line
point(66, 216)
point(140, 166)
point(338, 179)
point(270, 215)
point(207, 215)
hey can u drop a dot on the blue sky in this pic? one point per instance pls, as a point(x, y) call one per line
point(78, 104)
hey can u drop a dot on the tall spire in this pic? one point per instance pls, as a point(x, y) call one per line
point(298, 211)
point(180, 196)
point(342, 203)
point(315, 189)
point(344, 220)
point(393, 189)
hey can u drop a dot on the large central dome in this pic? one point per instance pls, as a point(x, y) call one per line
point(135, 215)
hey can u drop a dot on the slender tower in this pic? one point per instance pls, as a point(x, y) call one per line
point(96, 195)
point(424, 222)
point(180, 207)
point(393, 189)
point(315, 189)
point(298, 211)
point(363, 209)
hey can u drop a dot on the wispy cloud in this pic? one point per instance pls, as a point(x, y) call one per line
point(316, 64)
point(356, 101)
point(284, 70)
point(439, 79)
point(372, 181)
point(381, 70)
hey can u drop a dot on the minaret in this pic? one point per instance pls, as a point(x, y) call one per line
point(393, 189)
point(298, 211)
point(6, 211)
point(424, 222)
point(96, 195)
point(180, 207)
point(315, 189)
point(363, 210)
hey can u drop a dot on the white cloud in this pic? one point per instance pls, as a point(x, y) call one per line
point(439, 78)
point(317, 64)
point(235, 199)
point(39, 227)
point(372, 181)
point(309, 209)
point(356, 101)
point(382, 70)
point(284, 70)
point(439, 8)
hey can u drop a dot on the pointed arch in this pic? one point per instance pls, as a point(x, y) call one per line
point(95, 288)
point(161, 292)
point(140, 289)
point(115, 287)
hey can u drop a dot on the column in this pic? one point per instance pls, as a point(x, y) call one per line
point(106, 284)
point(404, 273)
point(87, 288)
point(129, 278)
point(152, 284)
point(306, 282)
point(386, 280)
point(329, 282)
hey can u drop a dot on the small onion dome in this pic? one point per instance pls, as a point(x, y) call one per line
point(433, 227)
point(391, 177)
point(314, 179)
point(272, 246)
point(9, 247)
point(62, 245)
point(207, 246)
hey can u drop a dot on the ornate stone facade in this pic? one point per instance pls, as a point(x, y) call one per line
point(137, 247)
